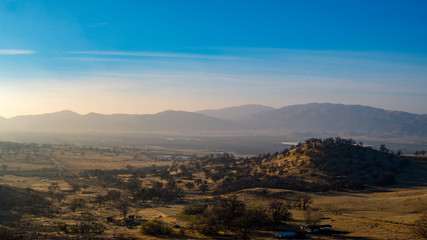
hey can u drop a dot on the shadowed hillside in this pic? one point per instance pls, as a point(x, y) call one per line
point(16, 200)
point(340, 164)
point(316, 165)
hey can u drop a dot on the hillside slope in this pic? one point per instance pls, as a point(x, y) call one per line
point(17, 199)
point(316, 165)
point(340, 164)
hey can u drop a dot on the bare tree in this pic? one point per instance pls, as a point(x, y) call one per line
point(123, 206)
point(226, 210)
point(99, 199)
point(53, 189)
point(249, 221)
point(113, 195)
point(303, 201)
point(383, 148)
point(133, 185)
point(59, 196)
point(75, 188)
point(279, 211)
point(312, 218)
point(77, 203)
point(4, 167)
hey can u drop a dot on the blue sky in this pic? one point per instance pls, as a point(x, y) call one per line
point(149, 56)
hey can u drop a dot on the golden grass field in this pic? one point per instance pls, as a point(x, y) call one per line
point(76, 161)
point(363, 215)
point(381, 214)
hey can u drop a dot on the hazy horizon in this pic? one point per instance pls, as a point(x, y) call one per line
point(195, 111)
point(144, 58)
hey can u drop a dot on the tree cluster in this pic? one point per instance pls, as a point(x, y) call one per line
point(159, 192)
point(232, 215)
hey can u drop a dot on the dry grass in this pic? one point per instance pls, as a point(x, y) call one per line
point(36, 183)
point(368, 215)
point(354, 215)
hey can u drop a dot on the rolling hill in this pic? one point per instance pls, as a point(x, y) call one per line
point(316, 165)
point(341, 163)
point(16, 197)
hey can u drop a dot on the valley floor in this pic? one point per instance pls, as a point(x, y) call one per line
point(381, 213)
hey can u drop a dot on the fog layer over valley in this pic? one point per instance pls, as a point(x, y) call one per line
point(247, 129)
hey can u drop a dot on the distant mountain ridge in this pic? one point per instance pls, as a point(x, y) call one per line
point(328, 119)
point(340, 118)
point(164, 121)
point(315, 118)
point(237, 113)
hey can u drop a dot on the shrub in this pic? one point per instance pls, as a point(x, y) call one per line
point(90, 227)
point(207, 229)
point(356, 185)
point(195, 208)
point(62, 227)
point(386, 179)
point(155, 228)
point(404, 163)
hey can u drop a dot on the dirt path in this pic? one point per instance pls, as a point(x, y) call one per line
point(58, 165)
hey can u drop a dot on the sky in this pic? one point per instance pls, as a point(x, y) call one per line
point(141, 57)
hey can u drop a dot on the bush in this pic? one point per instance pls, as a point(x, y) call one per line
point(386, 179)
point(207, 229)
point(90, 227)
point(356, 185)
point(155, 228)
point(195, 208)
point(404, 163)
point(62, 227)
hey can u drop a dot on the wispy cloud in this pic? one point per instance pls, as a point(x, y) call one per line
point(15, 52)
point(98, 59)
point(315, 68)
point(160, 54)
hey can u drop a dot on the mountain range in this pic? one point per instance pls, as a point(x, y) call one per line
point(314, 118)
